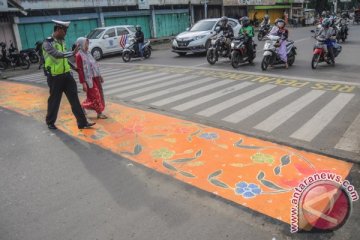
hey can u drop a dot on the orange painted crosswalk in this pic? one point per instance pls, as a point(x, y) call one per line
point(254, 173)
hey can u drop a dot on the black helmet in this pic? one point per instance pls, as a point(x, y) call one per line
point(224, 20)
point(138, 28)
point(266, 17)
point(245, 21)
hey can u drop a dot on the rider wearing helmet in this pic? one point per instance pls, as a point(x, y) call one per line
point(227, 30)
point(139, 40)
point(325, 33)
point(280, 30)
point(266, 22)
point(248, 31)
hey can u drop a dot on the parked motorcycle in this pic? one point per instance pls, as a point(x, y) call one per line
point(14, 58)
point(319, 54)
point(218, 48)
point(239, 52)
point(271, 56)
point(33, 56)
point(130, 51)
point(263, 31)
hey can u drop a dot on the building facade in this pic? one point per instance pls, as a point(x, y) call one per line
point(31, 20)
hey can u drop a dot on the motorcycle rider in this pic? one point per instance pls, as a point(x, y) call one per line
point(139, 40)
point(248, 31)
point(227, 31)
point(266, 22)
point(282, 32)
point(325, 33)
point(343, 20)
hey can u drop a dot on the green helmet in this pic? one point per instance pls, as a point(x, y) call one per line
point(326, 23)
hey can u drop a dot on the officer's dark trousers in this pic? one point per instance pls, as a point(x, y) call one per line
point(59, 84)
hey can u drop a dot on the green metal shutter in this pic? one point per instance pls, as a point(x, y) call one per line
point(171, 24)
point(33, 32)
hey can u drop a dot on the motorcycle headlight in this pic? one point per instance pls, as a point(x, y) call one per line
point(232, 45)
point(199, 37)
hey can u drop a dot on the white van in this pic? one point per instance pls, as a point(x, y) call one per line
point(106, 40)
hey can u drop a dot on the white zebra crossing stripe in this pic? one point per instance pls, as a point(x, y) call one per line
point(190, 93)
point(207, 98)
point(351, 139)
point(112, 73)
point(181, 79)
point(317, 123)
point(172, 89)
point(281, 116)
point(118, 78)
point(29, 77)
point(235, 100)
point(144, 83)
point(130, 79)
point(259, 105)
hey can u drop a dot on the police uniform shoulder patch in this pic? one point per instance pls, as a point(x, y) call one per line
point(49, 39)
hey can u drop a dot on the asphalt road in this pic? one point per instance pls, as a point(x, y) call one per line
point(56, 187)
point(53, 186)
point(345, 70)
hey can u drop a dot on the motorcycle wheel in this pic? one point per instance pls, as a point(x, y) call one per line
point(291, 60)
point(34, 58)
point(126, 56)
point(315, 61)
point(235, 59)
point(260, 36)
point(147, 53)
point(265, 63)
point(25, 64)
point(211, 57)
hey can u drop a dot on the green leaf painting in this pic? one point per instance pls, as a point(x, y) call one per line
point(168, 166)
point(218, 183)
point(186, 174)
point(215, 174)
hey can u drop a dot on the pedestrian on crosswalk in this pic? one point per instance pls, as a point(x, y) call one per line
point(60, 77)
point(90, 78)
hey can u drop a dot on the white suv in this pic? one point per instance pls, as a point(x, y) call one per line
point(106, 40)
point(197, 39)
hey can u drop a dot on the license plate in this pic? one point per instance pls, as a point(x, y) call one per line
point(213, 41)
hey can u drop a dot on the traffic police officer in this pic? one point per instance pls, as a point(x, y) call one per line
point(59, 77)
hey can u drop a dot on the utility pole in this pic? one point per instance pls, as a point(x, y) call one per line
point(205, 7)
point(335, 6)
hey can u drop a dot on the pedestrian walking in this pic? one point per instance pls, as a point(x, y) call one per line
point(90, 78)
point(60, 77)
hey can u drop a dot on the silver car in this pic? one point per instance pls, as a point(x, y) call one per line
point(197, 39)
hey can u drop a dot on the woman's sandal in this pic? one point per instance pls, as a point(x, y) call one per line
point(101, 116)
